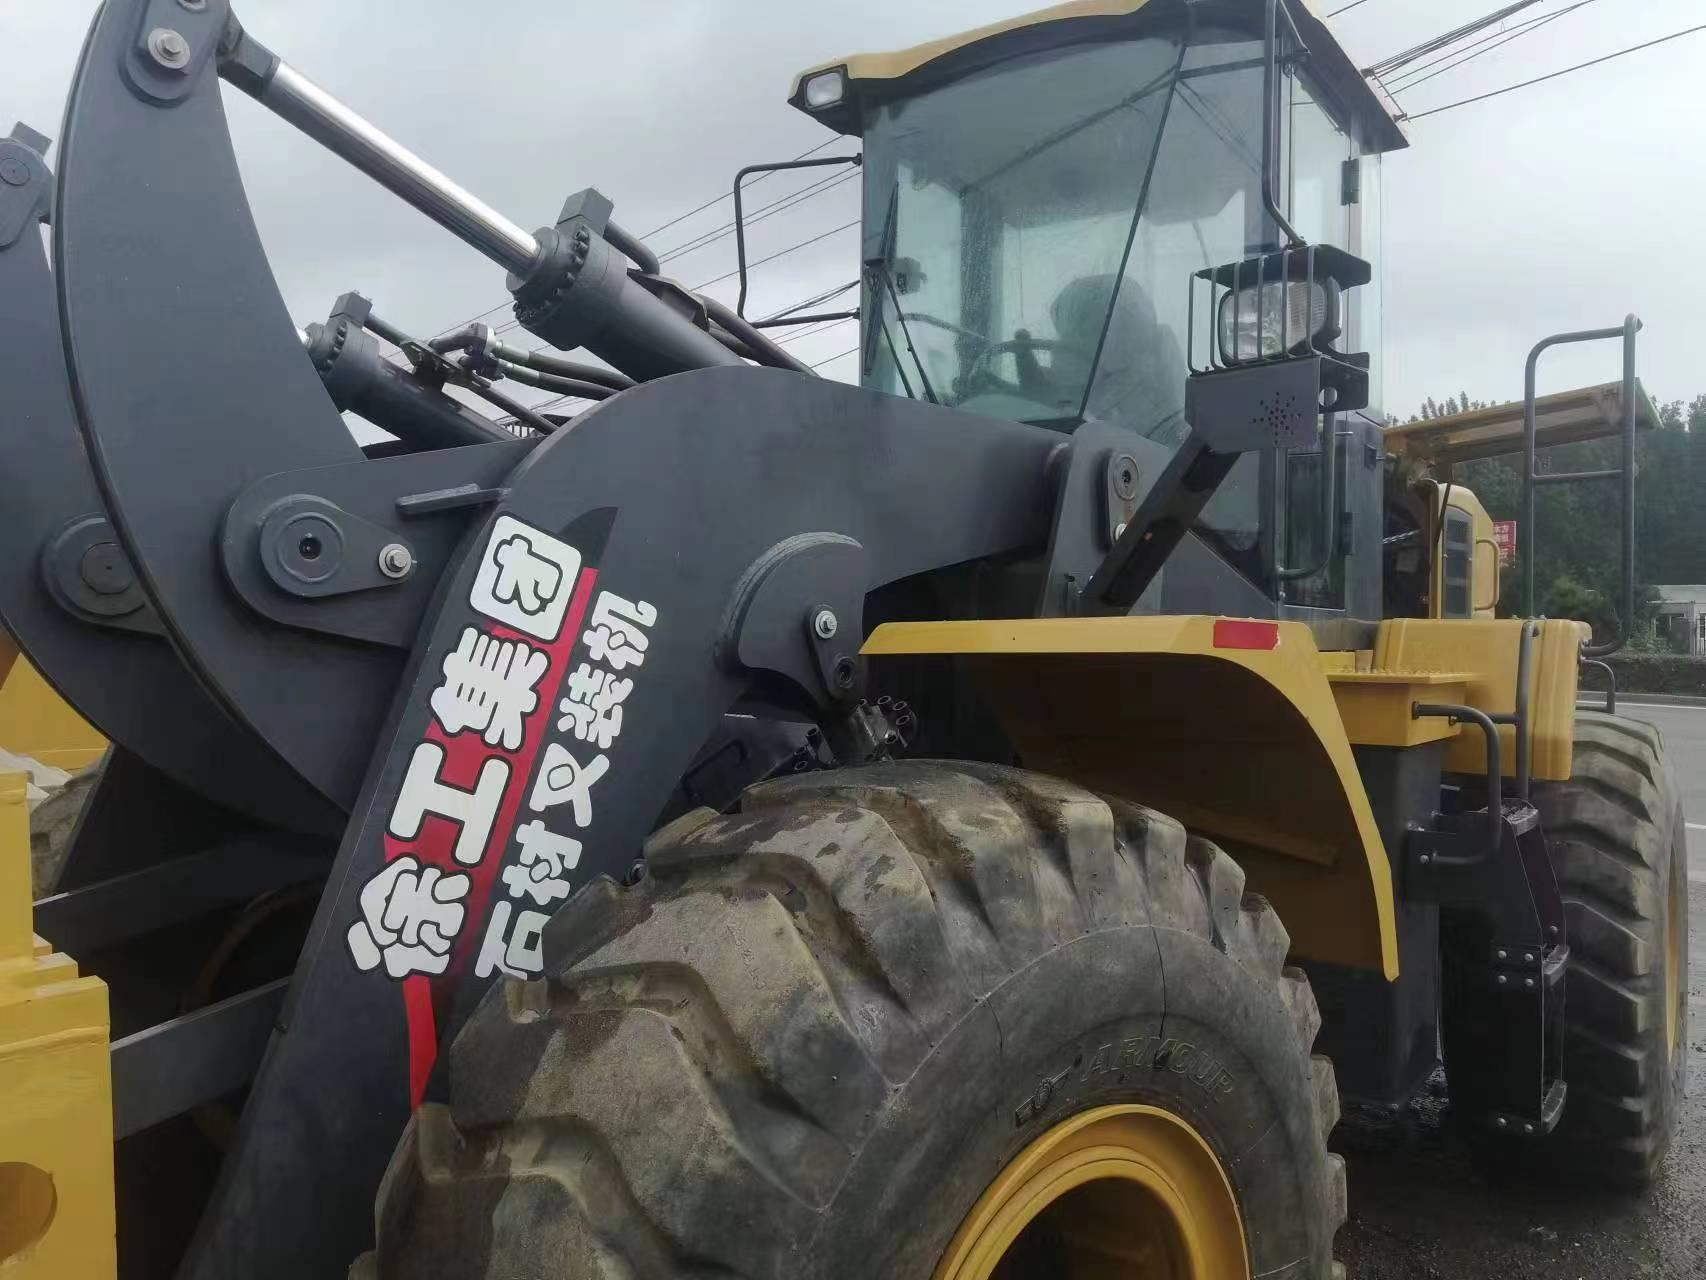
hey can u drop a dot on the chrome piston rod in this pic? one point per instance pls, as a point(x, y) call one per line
point(296, 99)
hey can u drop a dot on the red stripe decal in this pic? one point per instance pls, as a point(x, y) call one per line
point(464, 754)
point(423, 1034)
point(1244, 633)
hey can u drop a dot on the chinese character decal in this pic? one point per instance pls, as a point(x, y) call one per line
point(522, 711)
point(525, 579)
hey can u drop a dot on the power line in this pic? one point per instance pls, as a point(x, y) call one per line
point(816, 329)
point(1455, 36)
point(729, 195)
point(730, 275)
point(1580, 66)
point(831, 359)
point(1352, 5)
point(813, 301)
point(1486, 44)
point(759, 215)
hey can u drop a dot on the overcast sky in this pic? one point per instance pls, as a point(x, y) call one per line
point(1558, 207)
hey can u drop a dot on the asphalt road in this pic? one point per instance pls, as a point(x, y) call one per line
point(1421, 1211)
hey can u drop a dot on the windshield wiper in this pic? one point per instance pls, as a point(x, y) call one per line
point(884, 274)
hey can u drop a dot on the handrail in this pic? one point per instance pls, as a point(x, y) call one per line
point(1625, 473)
point(740, 217)
point(1455, 714)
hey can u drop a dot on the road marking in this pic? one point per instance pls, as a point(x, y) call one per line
point(1632, 707)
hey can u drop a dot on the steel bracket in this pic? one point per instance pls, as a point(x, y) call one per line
point(174, 41)
point(1104, 472)
point(1504, 954)
point(312, 548)
point(26, 186)
point(1452, 865)
point(798, 611)
point(419, 503)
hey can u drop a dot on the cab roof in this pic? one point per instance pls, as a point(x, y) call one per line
point(877, 77)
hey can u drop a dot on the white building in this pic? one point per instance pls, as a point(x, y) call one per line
point(1681, 618)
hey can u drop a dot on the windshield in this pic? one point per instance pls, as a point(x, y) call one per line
point(1031, 232)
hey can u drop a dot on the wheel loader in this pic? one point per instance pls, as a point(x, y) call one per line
point(973, 823)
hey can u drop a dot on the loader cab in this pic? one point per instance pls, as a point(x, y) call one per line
point(1037, 199)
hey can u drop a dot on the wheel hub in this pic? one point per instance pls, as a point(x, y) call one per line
point(1117, 1191)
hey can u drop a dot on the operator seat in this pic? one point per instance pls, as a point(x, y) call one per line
point(1140, 377)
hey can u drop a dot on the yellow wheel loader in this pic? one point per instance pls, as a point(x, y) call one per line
point(971, 824)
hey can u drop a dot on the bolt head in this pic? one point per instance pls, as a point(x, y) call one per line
point(1528, 1128)
point(14, 172)
point(1528, 982)
point(1503, 954)
point(168, 48)
point(1501, 1122)
point(1502, 979)
point(1125, 476)
point(825, 625)
point(396, 560)
point(1528, 957)
point(105, 570)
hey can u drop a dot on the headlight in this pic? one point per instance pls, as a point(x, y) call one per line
point(825, 89)
point(1289, 314)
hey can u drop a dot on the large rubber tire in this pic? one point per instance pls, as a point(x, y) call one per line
point(1618, 842)
point(53, 823)
point(804, 1044)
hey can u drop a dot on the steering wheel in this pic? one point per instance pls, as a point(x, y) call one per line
point(982, 376)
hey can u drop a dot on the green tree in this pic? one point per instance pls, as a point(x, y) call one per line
point(1576, 534)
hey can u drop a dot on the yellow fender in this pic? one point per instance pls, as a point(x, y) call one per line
point(1228, 725)
point(36, 722)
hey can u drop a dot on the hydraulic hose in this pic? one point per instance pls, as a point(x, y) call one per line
point(758, 345)
point(552, 382)
point(545, 362)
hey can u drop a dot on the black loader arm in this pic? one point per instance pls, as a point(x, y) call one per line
point(506, 721)
point(581, 648)
point(67, 592)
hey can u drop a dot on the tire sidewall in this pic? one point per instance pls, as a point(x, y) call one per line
point(1084, 1026)
point(1675, 890)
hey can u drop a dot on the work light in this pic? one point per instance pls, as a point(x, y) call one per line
point(825, 89)
point(1278, 318)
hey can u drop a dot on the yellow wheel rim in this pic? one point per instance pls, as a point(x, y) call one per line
point(1122, 1191)
point(1673, 956)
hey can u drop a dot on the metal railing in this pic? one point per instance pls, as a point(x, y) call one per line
point(1624, 473)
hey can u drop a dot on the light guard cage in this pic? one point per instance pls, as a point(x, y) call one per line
point(1241, 286)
